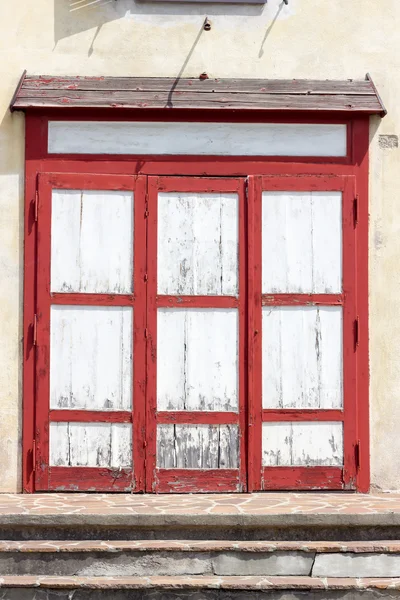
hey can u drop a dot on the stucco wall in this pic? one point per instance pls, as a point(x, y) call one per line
point(338, 39)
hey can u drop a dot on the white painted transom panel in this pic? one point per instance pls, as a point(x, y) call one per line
point(197, 359)
point(302, 444)
point(223, 139)
point(302, 357)
point(91, 357)
point(92, 241)
point(91, 445)
point(197, 446)
point(301, 242)
point(197, 243)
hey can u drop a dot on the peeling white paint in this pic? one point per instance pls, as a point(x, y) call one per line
point(92, 241)
point(91, 357)
point(91, 445)
point(302, 444)
point(197, 359)
point(302, 356)
point(302, 242)
point(197, 244)
point(197, 446)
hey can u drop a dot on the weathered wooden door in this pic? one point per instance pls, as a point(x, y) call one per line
point(196, 427)
point(302, 333)
point(195, 334)
point(91, 312)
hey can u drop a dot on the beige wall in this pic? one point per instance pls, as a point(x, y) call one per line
point(307, 38)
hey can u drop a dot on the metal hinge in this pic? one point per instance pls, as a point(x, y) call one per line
point(357, 455)
point(246, 188)
point(34, 454)
point(356, 333)
point(36, 205)
point(146, 333)
point(35, 319)
point(146, 277)
point(355, 211)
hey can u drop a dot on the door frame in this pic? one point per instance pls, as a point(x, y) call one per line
point(355, 163)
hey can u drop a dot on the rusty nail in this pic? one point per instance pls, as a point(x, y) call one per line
point(207, 24)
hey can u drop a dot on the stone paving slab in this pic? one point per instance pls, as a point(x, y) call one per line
point(207, 582)
point(46, 546)
point(197, 509)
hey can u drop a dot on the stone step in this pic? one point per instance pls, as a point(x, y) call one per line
point(246, 517)
point(195, 588)
point(200, 558)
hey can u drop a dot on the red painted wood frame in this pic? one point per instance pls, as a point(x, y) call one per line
point(355, 163)
point(49, 477)
point(194, 480)
point(301, 477)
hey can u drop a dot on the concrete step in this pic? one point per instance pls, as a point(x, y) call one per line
point(200, 558)
point(196, 588)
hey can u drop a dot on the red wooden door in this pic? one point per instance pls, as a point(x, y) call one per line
point(302, 325)
point(91, 312)
point(196, 428)
point(195, 334)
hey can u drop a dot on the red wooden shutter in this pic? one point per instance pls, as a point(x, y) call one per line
point(302, 432)
point(91, 315)
point(196, 352)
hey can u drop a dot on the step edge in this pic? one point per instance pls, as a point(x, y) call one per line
point(86, 546)
point(209, 582)
point(195, 521)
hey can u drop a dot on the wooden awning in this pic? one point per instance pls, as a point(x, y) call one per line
point(303, 95)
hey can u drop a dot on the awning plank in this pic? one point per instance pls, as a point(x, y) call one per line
point(238, 94)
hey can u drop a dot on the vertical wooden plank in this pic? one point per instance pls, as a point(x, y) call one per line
point(277, 442)
point(326, 232)
point(171, 360)
point(360, 154)
point(351, 378)
point(241, 433)
point(302, 357)
point(91, 445)
point(35, 132)
point(152, 337)
point(197, 446)
point(91, 358)
point(197, 243)
point(42, 380)
point(59, 445)
point(228, 447)
point(302, 242)
point(230, 225)
point(212, 359)
point(121, 446)
point(166, 451)
point(197, 359)
point(317, 444)
point(286, 242)
point(92, 241)
point(254, 221)
point(139, 339)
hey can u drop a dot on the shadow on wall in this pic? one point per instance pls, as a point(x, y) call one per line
point(75, 16)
